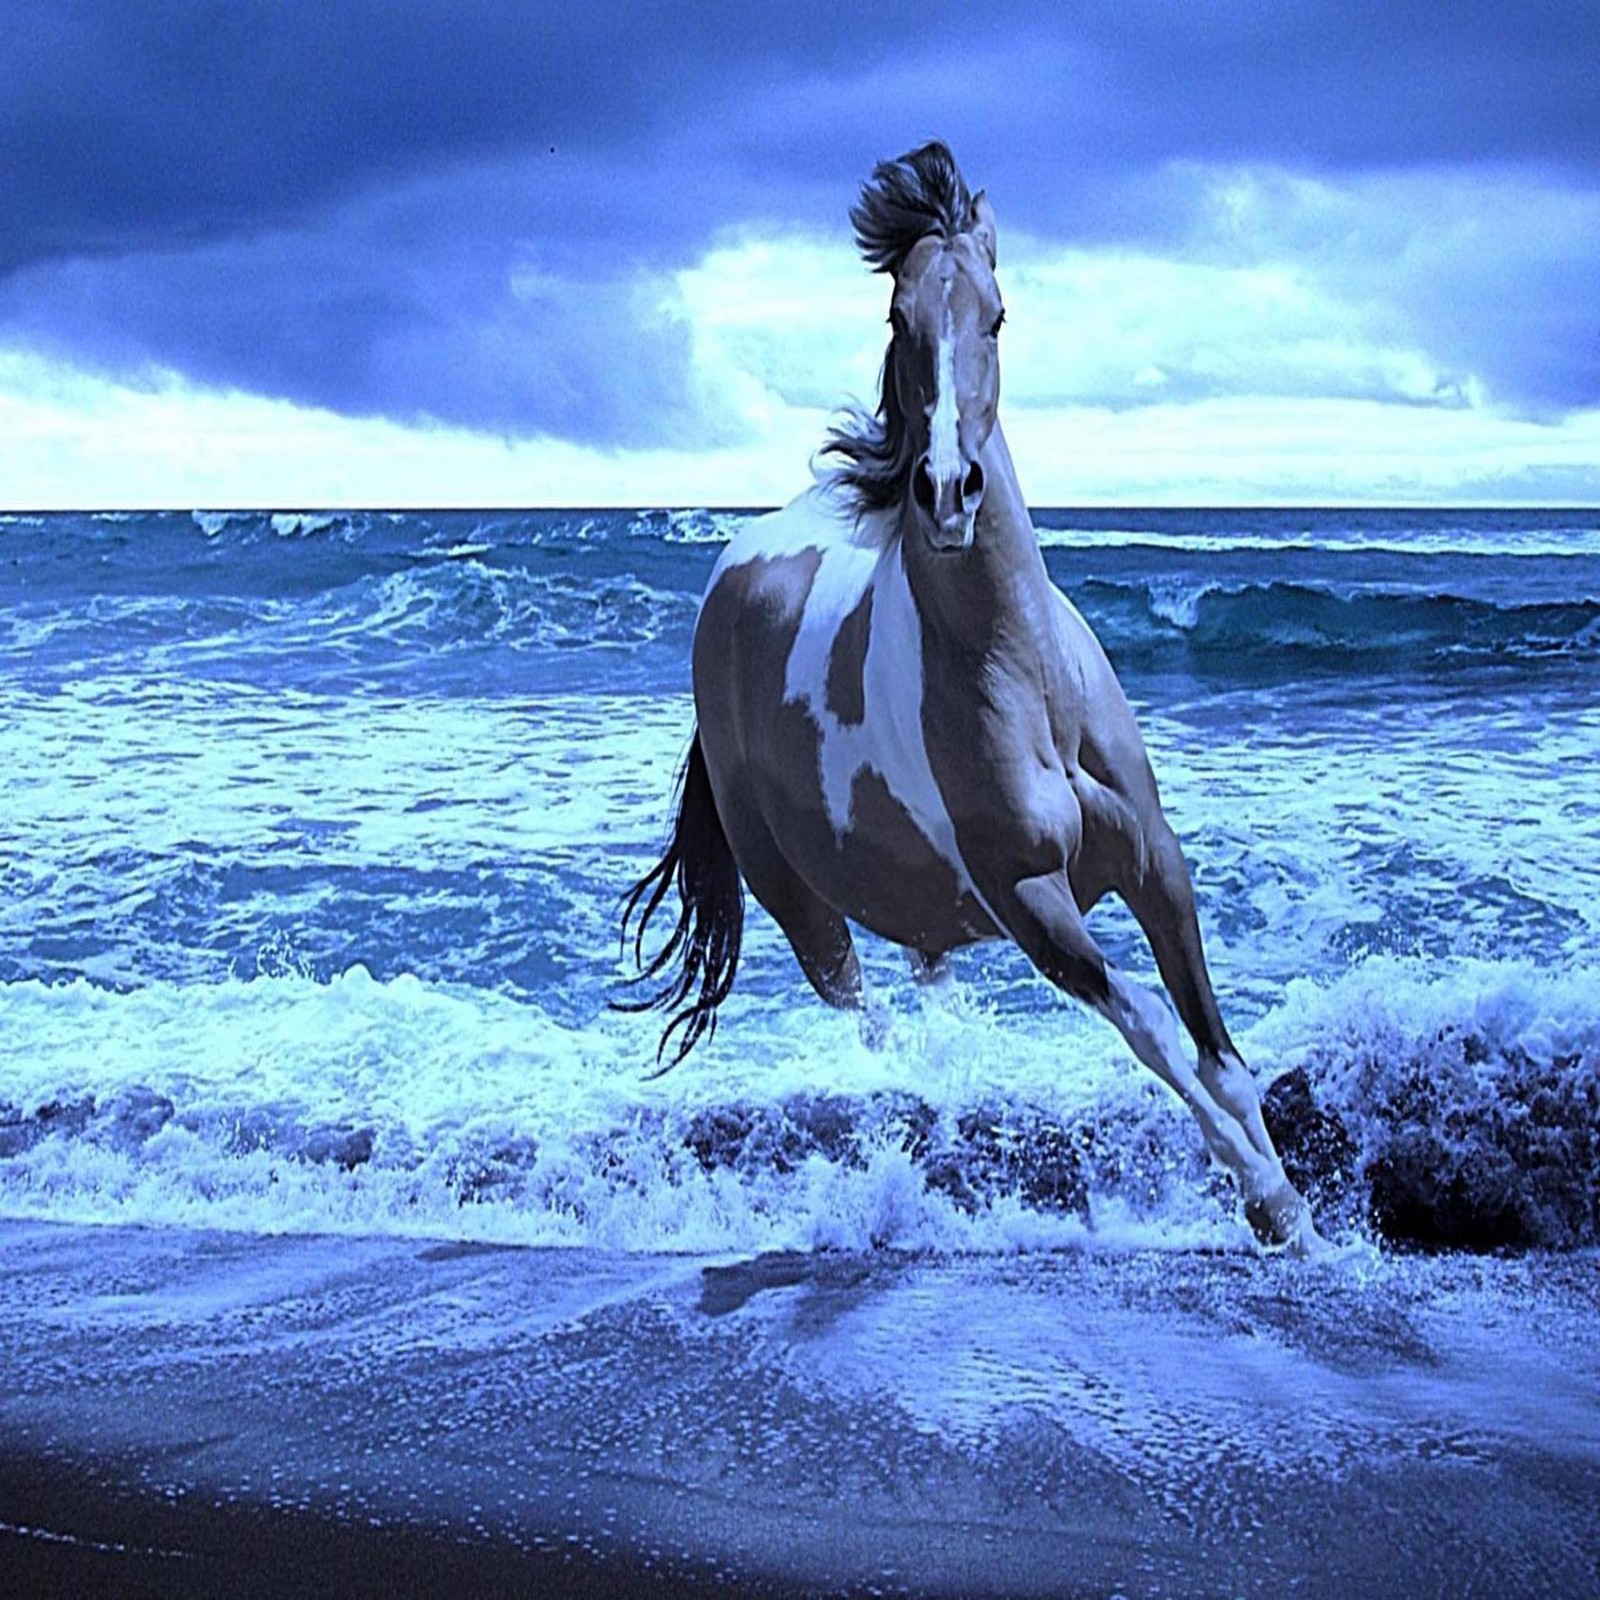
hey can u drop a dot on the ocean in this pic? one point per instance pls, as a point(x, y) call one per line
point(314, 829)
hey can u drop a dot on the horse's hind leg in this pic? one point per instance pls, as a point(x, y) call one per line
point(1163, 903)
point(1044, 919)
point(820, 939)
point(818, 935)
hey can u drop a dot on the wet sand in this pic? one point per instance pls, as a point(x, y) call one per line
point(187, 1413)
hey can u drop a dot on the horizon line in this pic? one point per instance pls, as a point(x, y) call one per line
point(746, 508)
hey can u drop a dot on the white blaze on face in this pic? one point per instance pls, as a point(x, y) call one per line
point(944, 442)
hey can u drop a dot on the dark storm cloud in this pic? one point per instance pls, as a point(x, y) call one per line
point(165, 121)
point(444, 210)
point(421, 304)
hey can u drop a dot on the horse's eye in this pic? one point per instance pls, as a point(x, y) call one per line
point(999, 323)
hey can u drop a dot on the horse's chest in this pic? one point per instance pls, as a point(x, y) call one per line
point(856, 666)
point(996, 761)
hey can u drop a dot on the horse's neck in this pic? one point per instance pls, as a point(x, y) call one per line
point(985, 601)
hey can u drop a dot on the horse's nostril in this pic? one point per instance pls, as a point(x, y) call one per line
point(972, 485)
point(922, 486)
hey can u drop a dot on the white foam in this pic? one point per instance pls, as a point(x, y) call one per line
point(491, 1119)
point(1179, 603)
point(1529, 542)
point(302, 524)
point(487, 1118)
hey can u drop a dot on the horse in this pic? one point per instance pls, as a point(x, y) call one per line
point(902, 722)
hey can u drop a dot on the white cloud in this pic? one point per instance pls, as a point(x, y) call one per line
point(1253, 450)
point(1111, 326)
point(68, 439)
point(786, 321)
point(1491, 271)
point(1294, 348)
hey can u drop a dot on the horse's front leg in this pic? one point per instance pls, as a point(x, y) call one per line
point(1162, 899)
point(1042, 915)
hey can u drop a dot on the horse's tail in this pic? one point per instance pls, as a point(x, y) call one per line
point(704, 946)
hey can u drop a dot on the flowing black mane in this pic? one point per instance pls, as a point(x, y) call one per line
point(904, 201)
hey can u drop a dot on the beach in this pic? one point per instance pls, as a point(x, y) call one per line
point(188, 1412)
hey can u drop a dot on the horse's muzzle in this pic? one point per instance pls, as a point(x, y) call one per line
point(948, 505)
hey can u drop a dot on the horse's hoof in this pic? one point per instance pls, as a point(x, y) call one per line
point(1306, 1244)
point(1282, 1221)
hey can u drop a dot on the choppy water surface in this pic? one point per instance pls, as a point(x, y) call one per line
point(312, 832)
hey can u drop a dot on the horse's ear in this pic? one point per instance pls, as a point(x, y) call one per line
point(982, 228)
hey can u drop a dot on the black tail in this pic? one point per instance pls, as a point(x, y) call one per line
point(710, 925)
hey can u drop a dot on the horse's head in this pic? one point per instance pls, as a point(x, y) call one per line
point(944, 363)
point(917, 220)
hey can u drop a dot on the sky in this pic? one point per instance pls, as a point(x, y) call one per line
point(297, 253)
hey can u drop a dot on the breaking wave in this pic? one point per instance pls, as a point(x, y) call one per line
point(1155, 617)
point(1454, 1108)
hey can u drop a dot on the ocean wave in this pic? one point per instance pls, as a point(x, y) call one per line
point(466, 597)
point(1230, 620)
point(466, 602)
point(1213, 587)
point(282, 524)
point(1522, 538)
point(306, 524)
point(693, 526)
point(394, 621)
point(1441, 1108)
point(213, 523)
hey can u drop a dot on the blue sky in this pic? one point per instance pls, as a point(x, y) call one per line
point(389, 252)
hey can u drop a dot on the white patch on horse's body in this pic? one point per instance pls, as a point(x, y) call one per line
point(892, 689)
point(821, 519)
point(857, 553)
point(843, 750)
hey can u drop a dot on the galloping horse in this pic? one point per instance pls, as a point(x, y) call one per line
point(902, 721)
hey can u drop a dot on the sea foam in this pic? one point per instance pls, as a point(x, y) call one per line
point(287, 1104)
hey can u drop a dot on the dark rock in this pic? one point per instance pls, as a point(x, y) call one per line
point(1468, 1146)
point(1423, 1194)
point(944, 1175)
point(136, 1115)
point(1037, 1160)
point(1318, 1153)
point(257, 1129)
point(1052, 1175)
point(499, 1172)
point(66, 1116)
point(346, 1147)
point(781, 1138)
point(829, 1124)
point(915, 1121)
point(718, 1137)
point(20, 1130)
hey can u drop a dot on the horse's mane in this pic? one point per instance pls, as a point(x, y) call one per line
point(905, 200)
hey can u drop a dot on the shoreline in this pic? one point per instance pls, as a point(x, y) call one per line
point(186, 1413)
